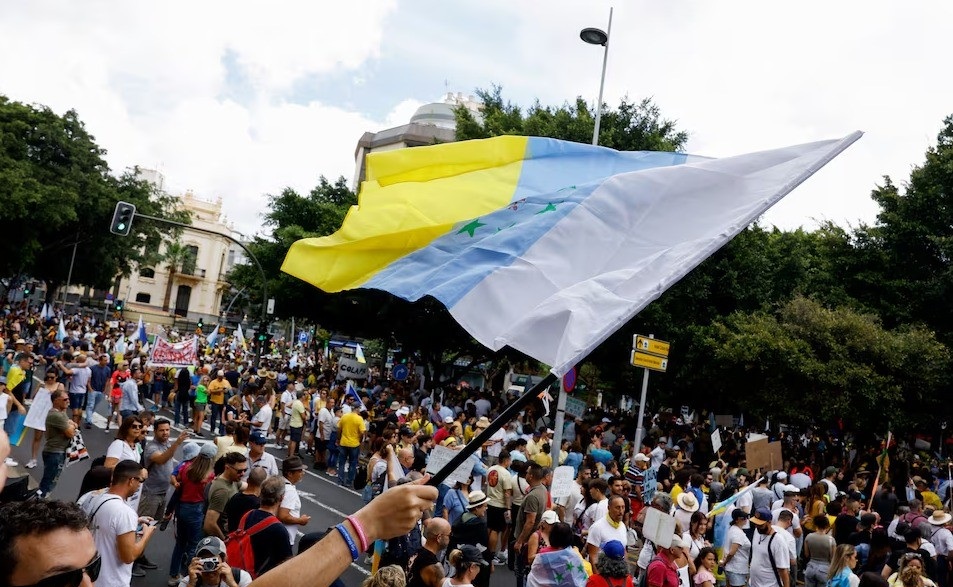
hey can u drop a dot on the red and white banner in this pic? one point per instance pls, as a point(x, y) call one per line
point(174, 354)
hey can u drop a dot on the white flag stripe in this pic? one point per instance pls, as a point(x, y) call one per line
point(633, 238)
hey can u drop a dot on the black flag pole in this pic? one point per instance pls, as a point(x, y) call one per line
point(508, 414)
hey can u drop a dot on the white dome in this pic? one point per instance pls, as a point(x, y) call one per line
point(437, 113)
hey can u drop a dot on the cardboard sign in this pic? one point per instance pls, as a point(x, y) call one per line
point(716, 441)
point(440, 456)
point(174, 354)
point(351, 369)
point(764, 455)
point(562, 482)
point(658, 528)
point(726, 420)
point(575, 407)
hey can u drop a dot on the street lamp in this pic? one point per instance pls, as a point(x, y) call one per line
point(595, 36)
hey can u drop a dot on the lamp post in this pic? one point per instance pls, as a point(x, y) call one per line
point(595, 36)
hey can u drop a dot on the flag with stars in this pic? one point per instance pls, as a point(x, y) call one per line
point(543, 245)
point(556, 569)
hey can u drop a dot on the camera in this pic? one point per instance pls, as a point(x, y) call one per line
point(209, 564)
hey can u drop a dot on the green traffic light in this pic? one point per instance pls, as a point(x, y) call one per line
point(121, 226)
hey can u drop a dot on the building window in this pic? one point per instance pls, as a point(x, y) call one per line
point(144, 298)
point(188, 264)
point(147, 272)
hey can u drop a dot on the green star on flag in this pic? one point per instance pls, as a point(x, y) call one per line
point(550, 207)
point(471, 227)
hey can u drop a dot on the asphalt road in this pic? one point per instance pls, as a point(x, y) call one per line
point(323, 499)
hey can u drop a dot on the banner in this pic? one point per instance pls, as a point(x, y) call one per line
point(351, 369)
point(174, 354)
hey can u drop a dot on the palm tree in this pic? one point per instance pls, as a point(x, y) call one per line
point(175, 256)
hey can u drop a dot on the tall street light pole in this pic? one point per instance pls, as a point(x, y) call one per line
point(595, 36)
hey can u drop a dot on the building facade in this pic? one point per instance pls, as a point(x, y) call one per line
point(192, 284)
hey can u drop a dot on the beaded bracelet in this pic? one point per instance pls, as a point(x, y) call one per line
point(350, 541)
point(359, 530)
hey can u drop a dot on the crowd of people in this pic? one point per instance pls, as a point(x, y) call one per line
point(826, 517)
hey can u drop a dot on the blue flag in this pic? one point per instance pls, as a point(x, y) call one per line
point(351, 392)
point(141, 330)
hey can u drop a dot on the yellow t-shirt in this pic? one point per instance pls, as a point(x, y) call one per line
point(297, 414)
point(351, 427)
point(543, 459)
point(217, 389)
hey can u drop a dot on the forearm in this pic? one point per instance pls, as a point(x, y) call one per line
point(785, 577)
point(322, 564)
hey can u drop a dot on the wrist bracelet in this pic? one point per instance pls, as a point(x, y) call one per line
point(359, 530)
point(350, 541)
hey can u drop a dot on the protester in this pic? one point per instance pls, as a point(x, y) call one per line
point(270, 542)
point(209, 568)
point(60, 429)
point(426, 569)
point(188, 504)
point(289, 511)
point(222, 488)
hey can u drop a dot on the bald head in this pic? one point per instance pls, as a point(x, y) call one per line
point(436, 527)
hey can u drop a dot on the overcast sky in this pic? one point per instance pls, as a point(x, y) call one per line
point(239, 99)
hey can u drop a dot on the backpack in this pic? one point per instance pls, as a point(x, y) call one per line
point(238, 548)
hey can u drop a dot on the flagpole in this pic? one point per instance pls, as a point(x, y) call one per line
point(508, 414)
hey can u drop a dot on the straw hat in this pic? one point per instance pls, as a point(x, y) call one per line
point(940, 518)
point(686, 500)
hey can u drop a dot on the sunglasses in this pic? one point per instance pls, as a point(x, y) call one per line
point(73, 578)
point(136, 426)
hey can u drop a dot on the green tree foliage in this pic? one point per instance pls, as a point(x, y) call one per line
point(805, 364)
point(56, 190)
point(630, 127)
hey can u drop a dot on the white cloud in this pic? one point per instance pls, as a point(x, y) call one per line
point(151, 81)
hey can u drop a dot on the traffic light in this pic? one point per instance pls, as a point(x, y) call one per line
point(28, 288)
point(119, 305)
point(201, 324)
point(122, 218)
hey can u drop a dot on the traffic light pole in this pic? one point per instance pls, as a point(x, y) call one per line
point(264, 283)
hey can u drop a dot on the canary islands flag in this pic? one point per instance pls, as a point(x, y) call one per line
point(543, 245)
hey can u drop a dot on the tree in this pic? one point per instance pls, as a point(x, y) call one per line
point(175, 256)
point(57, 191)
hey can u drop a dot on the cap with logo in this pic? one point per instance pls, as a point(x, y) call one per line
point(211, 545)
point(761, 516)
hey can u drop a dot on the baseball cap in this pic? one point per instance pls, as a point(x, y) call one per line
point(257, 437)
point(761, 516)
point(791, 489)
point(830, 471)
point(406, 431)
point(212, 545)
point(782, 476)
point(448, 420)
point(614, 549)
point(550, 517)
point(738, 514)
point(641, 458)
point(472, 554)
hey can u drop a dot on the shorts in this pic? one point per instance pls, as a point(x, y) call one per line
point(736, 579)
point(284, 422)
point(495, 518)
point(76, 401)
point(320, 445)
point(200, 406)
point(296, 433)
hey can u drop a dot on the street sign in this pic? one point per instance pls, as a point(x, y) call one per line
point(109, 297)
point(653, 362)
point(569, 380)
point(400, 372)
point(271, 305)
point(651, 346)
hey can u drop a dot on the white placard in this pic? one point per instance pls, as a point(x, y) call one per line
point(575, 407)
point(716, 441)
point(440, 456)
point(562, 482)
point(351, 369)
point(658, 528)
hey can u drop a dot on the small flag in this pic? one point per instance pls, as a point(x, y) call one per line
point(61, 332)
point(351, 392)
point(143, 338)
point(240, 336)
point(212, 337)
point(359, 354)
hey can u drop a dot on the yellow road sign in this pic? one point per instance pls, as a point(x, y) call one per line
point(653, 362)
point(652, 346)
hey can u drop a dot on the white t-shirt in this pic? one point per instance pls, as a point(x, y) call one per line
point(120, 449)
point(601, 532)
point(570, 502)
point(112, 520)
point(263, 416)
point(266, 461)
point(499, 437)
point(79, 380)
point(739, 562)
point(244, 580)
point(287, 398)
point(595, 512)
point(762, 575)
point(482, 407)
point(789, 539)
point(657, 455)
point(326, 418)
point(795, 523)
point(291, 501)
point(744, 503)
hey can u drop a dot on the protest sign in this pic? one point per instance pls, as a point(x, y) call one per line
point(173, 354)
point(764, 455)
point(716, 441)
point(351, 369)
point(440, 456)
point(562, 482)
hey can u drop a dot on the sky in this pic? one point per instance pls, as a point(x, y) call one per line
point(241, 99)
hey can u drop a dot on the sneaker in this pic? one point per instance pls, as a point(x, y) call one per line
point(146, 563)
point(137, 572)
point(501, 557)
point(88, 425)
point(31, 464)
point(173, 581)
point(10, 462)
